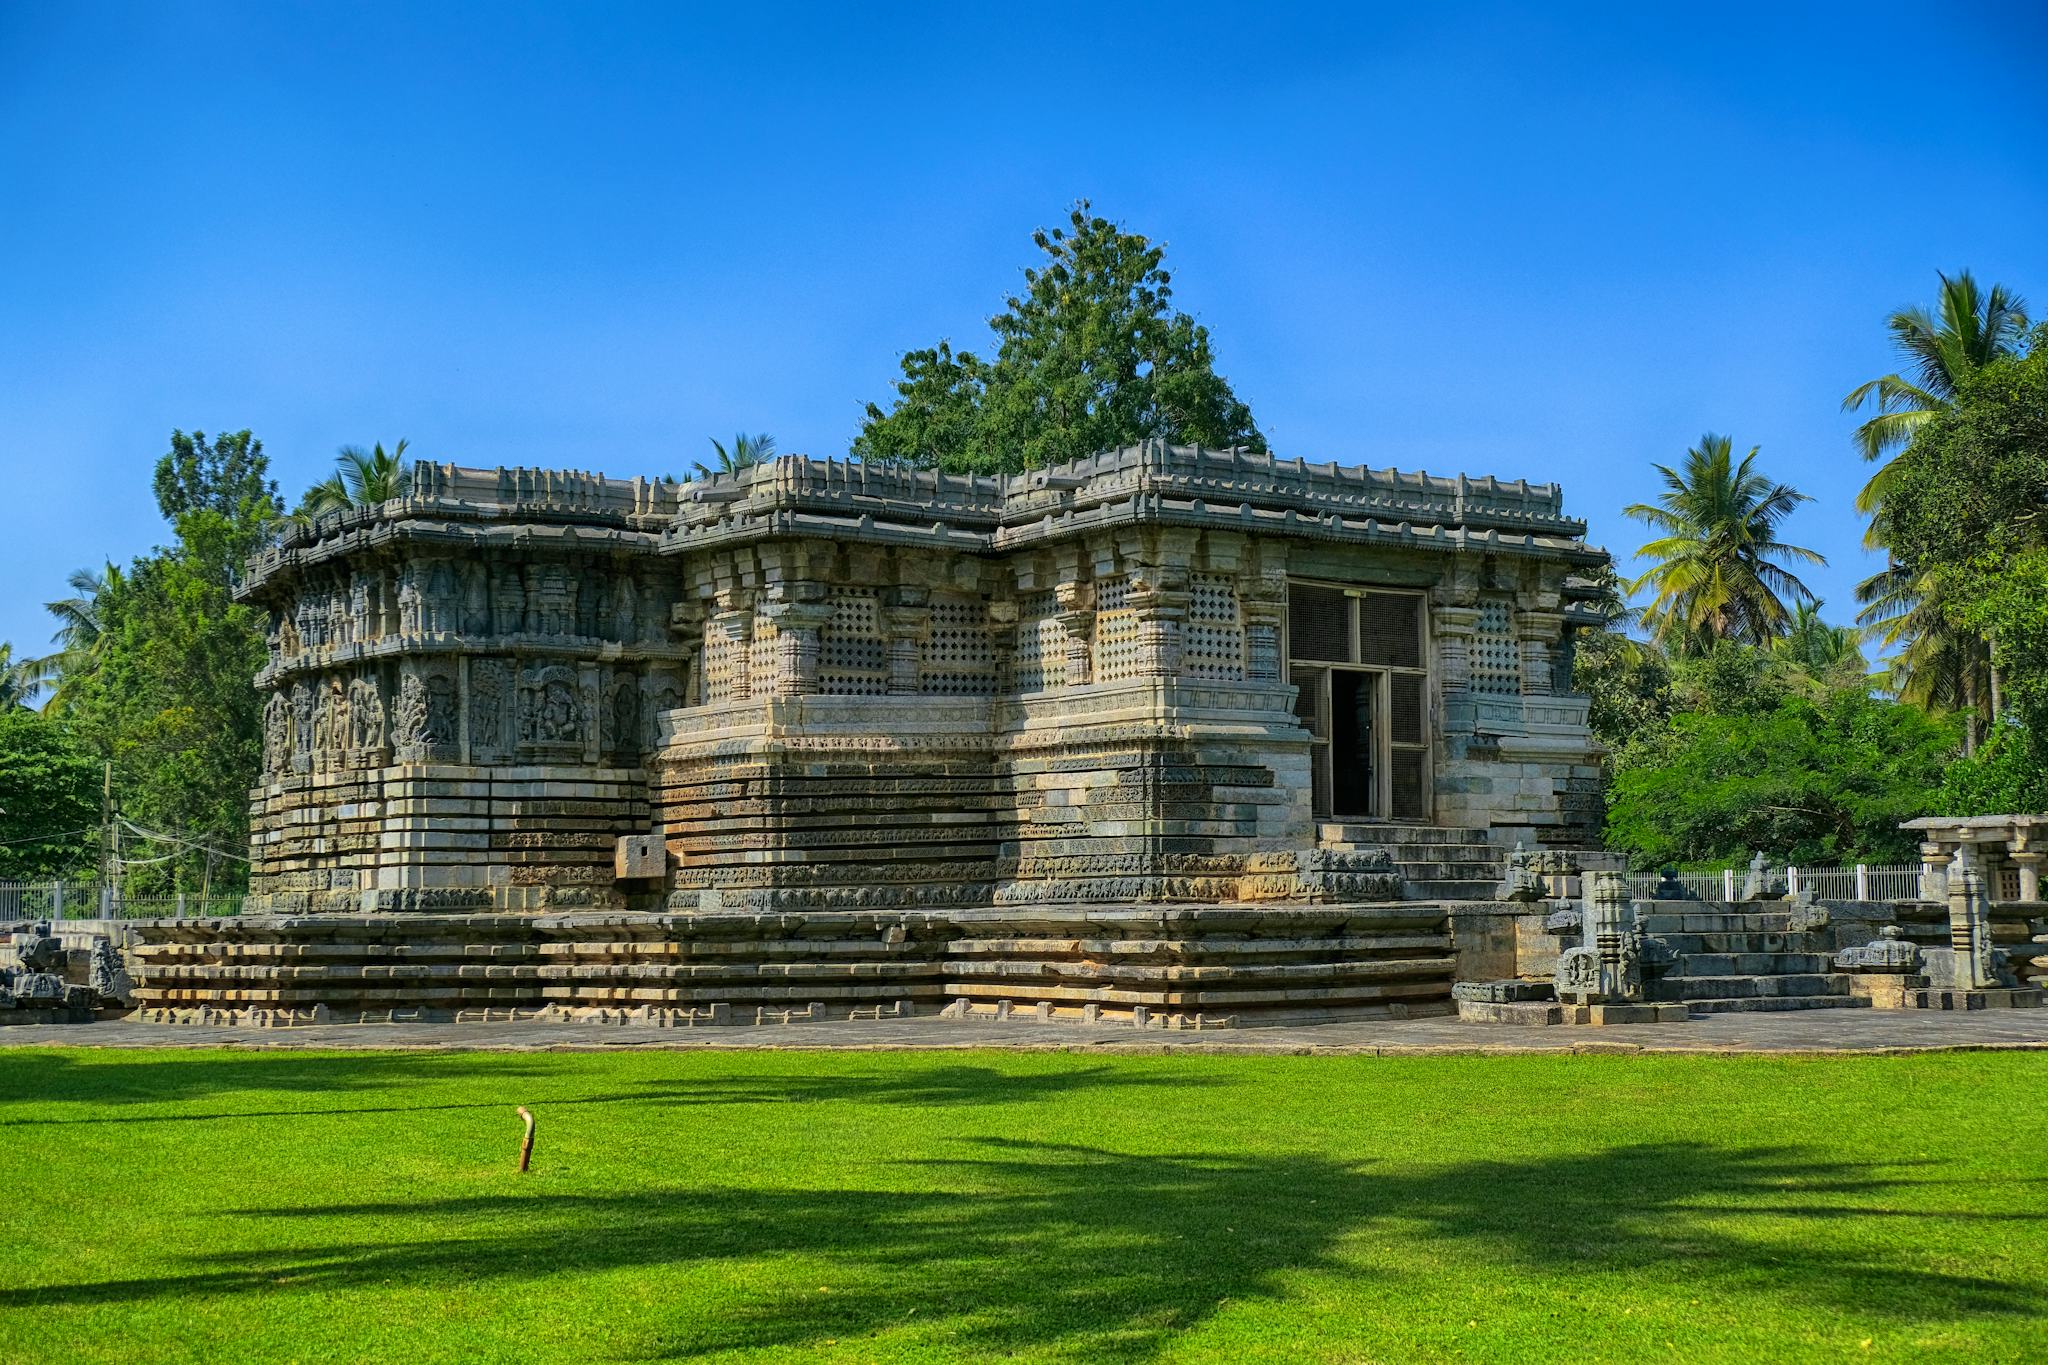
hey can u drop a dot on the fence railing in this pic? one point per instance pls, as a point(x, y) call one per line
point(60, 900)
point(1862, 882)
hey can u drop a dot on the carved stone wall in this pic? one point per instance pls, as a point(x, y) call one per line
point(462, 691)
point(834, 687)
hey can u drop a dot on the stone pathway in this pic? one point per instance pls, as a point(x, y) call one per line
point(1805, 1031)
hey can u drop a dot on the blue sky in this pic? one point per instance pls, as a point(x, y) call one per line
point(1557, 243)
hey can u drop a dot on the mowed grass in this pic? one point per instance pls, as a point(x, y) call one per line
point(832, 1206)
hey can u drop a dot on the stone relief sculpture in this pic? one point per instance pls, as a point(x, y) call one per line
point(277, 733)
point(409, 718)
point(489, 688)
point(625, 609)
point(476, 600)
point(443, 598)
point(441, 710)
point(408, 602)
point(366, 715)
point(550, 711)
point(509, 598)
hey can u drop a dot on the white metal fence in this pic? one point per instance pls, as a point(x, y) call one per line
point(61, 900)
point(1862, 882)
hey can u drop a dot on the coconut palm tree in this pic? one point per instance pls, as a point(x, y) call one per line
point(1936, 665)
point(747, 451)
point(1826, 652)
point(1975, 328)
point(1718, 570)
point(80, 628)
point(17, 684)
point(361, 479)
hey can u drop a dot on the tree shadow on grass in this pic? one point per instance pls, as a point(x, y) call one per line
point(1106, 1255)
point(924, 1086)
point(164, 1077)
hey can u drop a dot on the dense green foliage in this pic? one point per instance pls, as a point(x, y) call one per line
point(1092, 355)
point(1965, 507)
point(1936, 659)
point(49, 786)
point(166, 692)
point(1739, 749)
point(985, 1206)
point(1816, 782)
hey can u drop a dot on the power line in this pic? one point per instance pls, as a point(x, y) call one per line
point(45, 838)
point(174, 839)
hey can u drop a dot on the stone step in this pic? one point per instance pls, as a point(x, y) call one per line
point(1768, 963)
point(1386, 836)
point(1689, 989)
point(1687, 944)
point(1716, 922)
point(1435, 870)
point(1451, 889)
point(1771, 1004)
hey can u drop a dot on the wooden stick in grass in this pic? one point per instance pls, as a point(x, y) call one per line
point(526, 1144)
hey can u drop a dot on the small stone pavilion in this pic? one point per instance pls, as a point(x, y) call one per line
point(1097, 737)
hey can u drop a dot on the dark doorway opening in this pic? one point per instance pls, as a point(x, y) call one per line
point(1354, 698)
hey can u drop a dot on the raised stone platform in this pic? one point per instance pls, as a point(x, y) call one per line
point(1170, 967)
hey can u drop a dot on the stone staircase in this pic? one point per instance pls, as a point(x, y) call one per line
point(1438, 863)
point(1733, 959)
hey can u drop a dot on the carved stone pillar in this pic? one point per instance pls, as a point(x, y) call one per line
point(1263, 603)
point(1161, 601)
point(1934, 866)
point(1969, 927)
point(730, 633)
point(1077, 626)
point(1537, 631)
point(2029, 865)
point(1002, 638)
point(797, 623)
point(906, 625)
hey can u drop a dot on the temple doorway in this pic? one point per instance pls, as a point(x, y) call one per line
point(1357, 661)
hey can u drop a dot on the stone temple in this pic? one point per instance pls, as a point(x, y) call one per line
point(1165, 734)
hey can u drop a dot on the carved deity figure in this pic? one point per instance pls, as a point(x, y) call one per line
point(622, 722)
point(488, 686)
point(409, 715)
point(408, 603)
point(303, 719)
point(366, 715)
point(589, 589)
point(277, 733)
point(668, 698)
point(476, 600)
point(437, 609)
point(361, 625)
point(441, 710)
point(625, 609)
point(510, 601)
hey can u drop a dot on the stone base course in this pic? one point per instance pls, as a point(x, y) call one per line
point(1168, 967)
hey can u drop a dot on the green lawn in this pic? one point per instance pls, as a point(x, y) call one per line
point(345, 1206)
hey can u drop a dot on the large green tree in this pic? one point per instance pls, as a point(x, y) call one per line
point(1966, 507)
point(1824, 780)
point(49, 798)
point(1934, 661)
point(1089, 356)
point(1718, 569)
point(168, 695)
